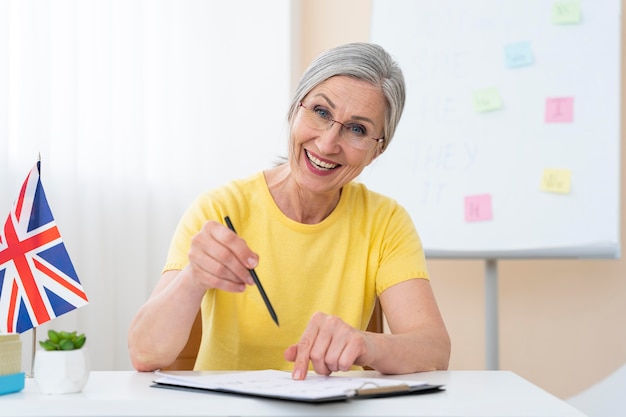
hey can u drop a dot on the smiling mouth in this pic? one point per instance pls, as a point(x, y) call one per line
point(321, 165)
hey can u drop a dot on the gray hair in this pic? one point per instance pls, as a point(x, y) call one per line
point(363, 61)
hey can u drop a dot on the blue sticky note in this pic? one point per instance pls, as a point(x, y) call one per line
point(518, 55)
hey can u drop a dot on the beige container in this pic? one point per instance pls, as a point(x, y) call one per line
point(10, 354)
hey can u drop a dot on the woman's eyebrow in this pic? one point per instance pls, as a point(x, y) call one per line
point(328, 100)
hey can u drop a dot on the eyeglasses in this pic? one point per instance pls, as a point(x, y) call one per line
point(355, 134)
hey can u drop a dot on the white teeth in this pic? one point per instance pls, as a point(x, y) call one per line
point(325, 166)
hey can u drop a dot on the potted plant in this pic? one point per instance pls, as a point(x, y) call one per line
point(62, 365)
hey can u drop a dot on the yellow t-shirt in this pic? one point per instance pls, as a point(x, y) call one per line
point(338, 266)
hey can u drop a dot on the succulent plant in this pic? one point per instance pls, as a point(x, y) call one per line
point(63, 341)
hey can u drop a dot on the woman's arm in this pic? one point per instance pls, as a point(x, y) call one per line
point(218, 259)
point(419, 340)
point(161, 328)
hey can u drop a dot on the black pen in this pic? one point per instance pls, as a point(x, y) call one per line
point(256, 280)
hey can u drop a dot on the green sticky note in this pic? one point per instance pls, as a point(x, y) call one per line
point(566, 12)
point(487, 99)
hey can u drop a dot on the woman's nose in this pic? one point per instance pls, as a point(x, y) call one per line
point(328, 141)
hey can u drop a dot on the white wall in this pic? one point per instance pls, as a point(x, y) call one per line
point(604, 399)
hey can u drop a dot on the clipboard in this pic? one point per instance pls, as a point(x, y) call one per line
point(279, 385)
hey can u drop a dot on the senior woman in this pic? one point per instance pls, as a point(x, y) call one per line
point(323, 245)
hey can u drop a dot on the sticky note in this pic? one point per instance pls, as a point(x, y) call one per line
point(560, 110)
point(566, 12)
point(556, 180)
point(518, 55)
point(487, 99)
point(478, 208)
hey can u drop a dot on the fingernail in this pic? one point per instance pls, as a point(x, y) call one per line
point(297, 374)
point(251, 263)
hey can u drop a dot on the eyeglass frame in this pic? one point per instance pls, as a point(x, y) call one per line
point(333, 121)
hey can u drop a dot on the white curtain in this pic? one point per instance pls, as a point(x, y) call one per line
point(135, 108)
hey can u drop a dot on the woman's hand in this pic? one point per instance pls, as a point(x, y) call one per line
point(330, 345)
point(417, 340)
point(220, 259)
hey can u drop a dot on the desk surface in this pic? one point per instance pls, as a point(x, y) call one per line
point(128, 393)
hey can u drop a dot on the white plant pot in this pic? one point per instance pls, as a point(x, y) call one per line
point(61, 371)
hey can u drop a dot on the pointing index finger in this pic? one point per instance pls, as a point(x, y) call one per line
point(303, 355)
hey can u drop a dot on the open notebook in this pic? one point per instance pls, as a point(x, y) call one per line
point(280, 385)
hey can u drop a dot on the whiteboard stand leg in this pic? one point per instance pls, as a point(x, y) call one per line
point(492, 354)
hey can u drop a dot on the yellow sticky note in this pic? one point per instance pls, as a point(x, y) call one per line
point(487, 99)
point(566, 12)
point(556, 180)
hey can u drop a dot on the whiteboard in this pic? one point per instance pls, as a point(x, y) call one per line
point(509, 143)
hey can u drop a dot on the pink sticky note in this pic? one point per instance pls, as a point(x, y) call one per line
point(560, 110)
point(478, 208)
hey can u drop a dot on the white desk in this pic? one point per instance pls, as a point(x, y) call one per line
point(468, 393)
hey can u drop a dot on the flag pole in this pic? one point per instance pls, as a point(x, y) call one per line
point(34, 342)
point(32, 355)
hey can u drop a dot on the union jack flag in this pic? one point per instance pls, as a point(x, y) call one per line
point(37, 279)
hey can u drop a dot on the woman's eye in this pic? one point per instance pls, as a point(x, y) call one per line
point(323, 113)
point(358, 130)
